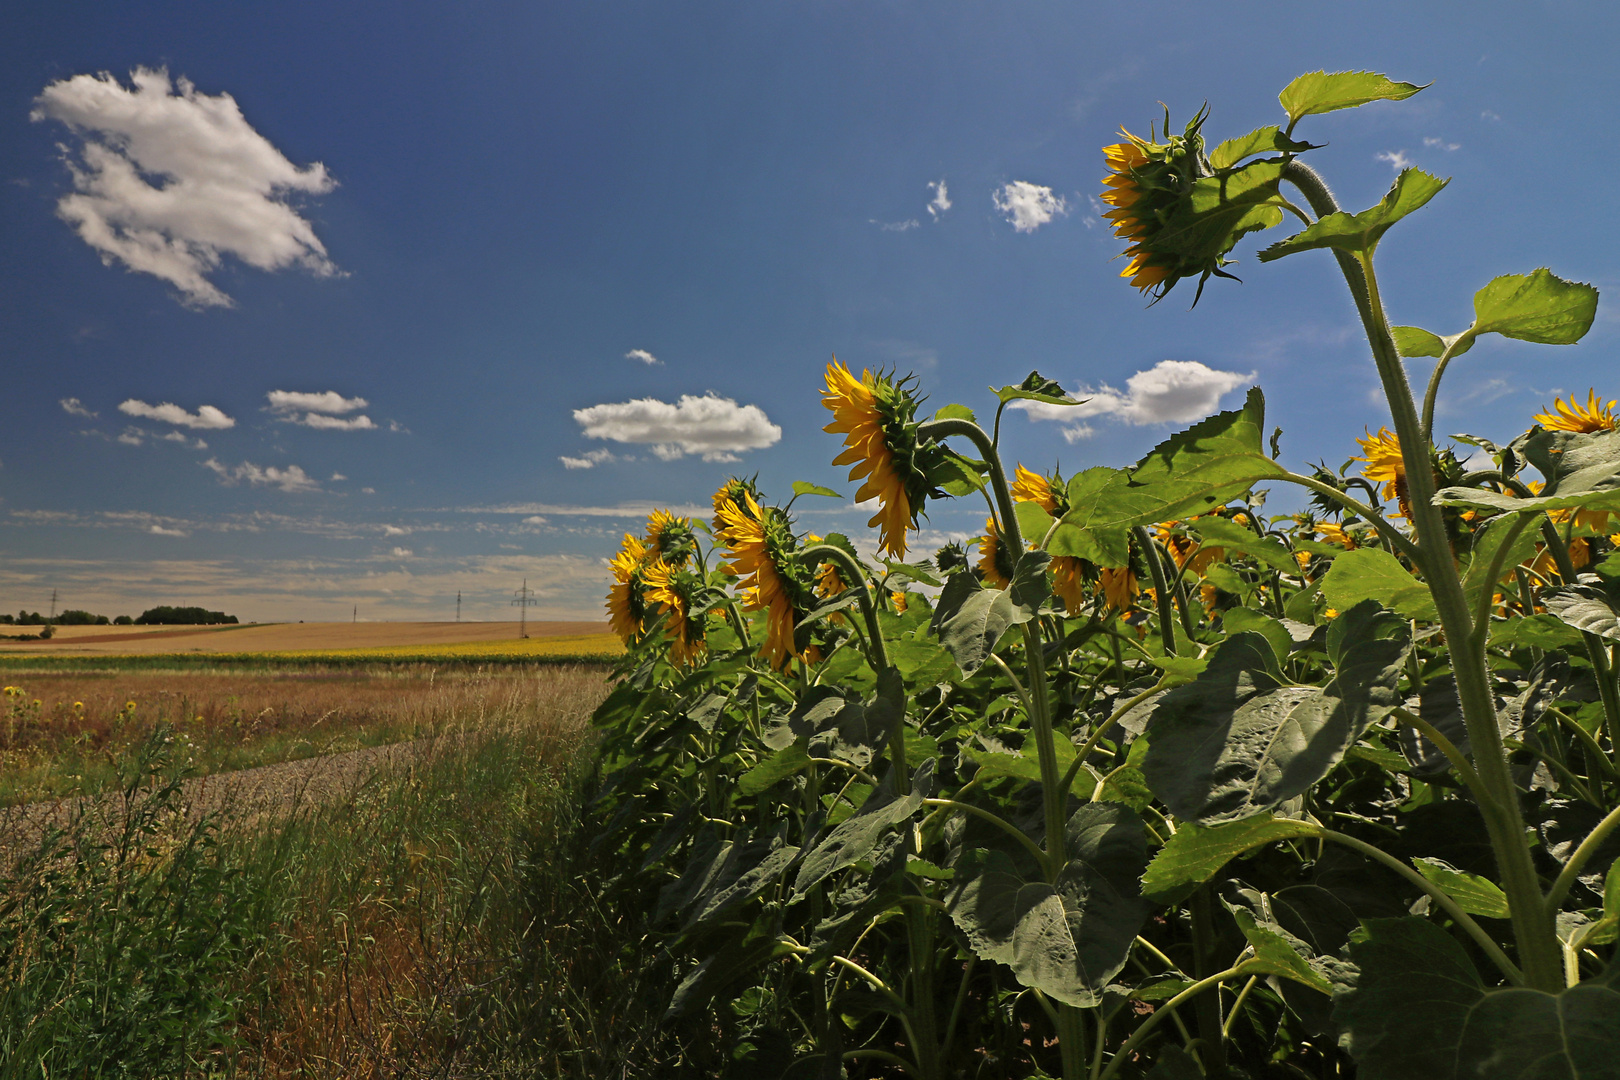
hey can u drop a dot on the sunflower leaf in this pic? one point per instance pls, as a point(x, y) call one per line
point(805, 487)
point(1196, 853)
point(1035, 387)
point(1582, 470)
point(1360, 233)
point(1539, 306)
point(1259, 141)
point(1322, 91)
point(955, 412)
point(1590, 609)
point(1416, 341)
point(1474, 894)
point(1375, 574)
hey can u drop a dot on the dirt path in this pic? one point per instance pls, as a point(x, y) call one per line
point(244, 796)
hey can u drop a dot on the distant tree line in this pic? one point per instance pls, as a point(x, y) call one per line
point(158, 616)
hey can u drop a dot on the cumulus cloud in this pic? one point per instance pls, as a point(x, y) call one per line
point(1169, 392)
point(169, 180)
point(159, 530)
point(402, 553)
point(643, 355)
point(74, 407)
point(1028, 206)
point(206, 417)
point(1397, 159)
point(714, 427)
point(941, 201)
point(589, 460)
point(292, 479)
point(327, 401)
point(322, 422)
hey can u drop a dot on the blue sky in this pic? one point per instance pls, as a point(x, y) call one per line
point(470, 217)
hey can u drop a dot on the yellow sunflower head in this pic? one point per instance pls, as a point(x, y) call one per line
point(1183, 548)
point(899, 599)
point(732, 493)
point(1384, 465)
point(1180, 214)
point(761, 546)
point(670, 538)
point(1119, 586)
point(994, 562)
point(1047, 492)
point(626, 605)
point(876, 414)
point(1336, 534)
point(1573, 416)
point(1069, 582)
point(672, 588)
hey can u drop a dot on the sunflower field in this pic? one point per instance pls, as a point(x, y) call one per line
point(1146, 782)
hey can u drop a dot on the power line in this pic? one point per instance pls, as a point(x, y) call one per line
point(524, 601)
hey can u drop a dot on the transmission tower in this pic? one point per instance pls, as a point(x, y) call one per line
point(458, 604)
point(53, 605)
point(524, 601)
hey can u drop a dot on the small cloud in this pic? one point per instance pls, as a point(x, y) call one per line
point(643, 355)
point(711, 426)
point(1397, 159)
point(327, 401)
point(159, 530)
point(1431, 141)
point(589, 460)
point(535, 519)
point(395, 530)
point(368, 491)
point(322, 422)
point(74, 407)
point(895, 226)
point(338, 477)
point(132, 437)
point(1489, 116)
point(1028, 206)
point(1078, 433)
point(206, 417)
point(292, 479)
point(395, 425)
point(169, 180)
point(941, 201)
point(1170, 392)
point(402, 553)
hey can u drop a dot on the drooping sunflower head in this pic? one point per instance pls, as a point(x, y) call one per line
point(626, 604)
point(732, 493)
point(1384, 465)
point(761, 546)
point(1573, 416)
point(670, 538)
point(1047, 492)
point(673, 588)
point(994, 562)
point(1069, 582)
point(1185, 550)
point(876, 414)
point(1119, 586)
point(951, 559)
point(1178, 227)
point(1337, 534)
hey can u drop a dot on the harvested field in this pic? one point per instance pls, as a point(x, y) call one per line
point(283, 637)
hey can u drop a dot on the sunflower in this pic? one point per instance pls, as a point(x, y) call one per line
point(625, 603)
point(1119, 586)
point(1049, 493)
point(760, 544)
point(1131, 221)
point(670, 538)
point(1034, 488)
point(1593, 416)
point(875, 414)
point(671, 587)
point(732, 493)
point(1183, 548)
point(1336, 534)
point(1069, 582)
point(899, 600)
point(992, 561)
point(1386, 466)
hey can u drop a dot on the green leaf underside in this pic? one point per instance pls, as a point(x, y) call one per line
point(1033, 521)
point(1539, 306)
point(1582, 470)
point(955, 412)
point(1025, 765)
point(1419, 1009)
point(1375, 574)
point(1236, 743)
point(1487, 543)
point(1273, 955)
point(1193, 472)
point(805, 487)
point(1357, 233)
point(1240, 539)
point(1322, 91)
point(1416, 341)
point(851, 840)
point(1588, 608)
point(1218, 210)
point(1266, 140)
point(1067, 939)
point(1474, 894)
point(1197, 852)
point(970, 619)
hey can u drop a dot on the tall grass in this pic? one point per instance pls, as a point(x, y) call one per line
point(436, 919)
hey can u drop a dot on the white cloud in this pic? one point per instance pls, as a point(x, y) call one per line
point(714, 427)
point(402, 553)
point(941, 201)
point(1078, 433)
point(221, 186)
point(589, 460)
point(896, 226)
point(159, 530)
point(1430, 140)
point(534, 519)
point(1028, 206)
point(643, 355)
point(1488, 115)
point(322, 422)
point(132, 437)
point(1397, 160)
point(74, 407)
point(337, 476)
point(395, 530)
point(292, 479)
point(1169, 392)
point(206, 417)
point(327, 401)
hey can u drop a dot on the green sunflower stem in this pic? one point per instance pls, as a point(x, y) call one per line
point(1161, 589)
point(1533, 929)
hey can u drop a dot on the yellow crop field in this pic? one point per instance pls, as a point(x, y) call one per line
point(604, 646)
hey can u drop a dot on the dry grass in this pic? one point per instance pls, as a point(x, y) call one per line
point(69, 742)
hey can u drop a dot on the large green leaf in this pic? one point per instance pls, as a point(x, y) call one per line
point(1582, 469)
point(720, 875)
point(1197, 852)
point(1357, 233)
point(969, 619)
point(1418, 1008)
point(1236, 743)
point(1067, 939)
point(1026, 765)
point(1033, 521)
point(1191, 472)
point(786, 762)
point(1218, 210)
point(1375, 574)
point(1323, 91)
point(1273, 955)
point(1539, 306)
point(1474, 894)
point(853, 839)
point(1223, 532)
point(1035, 387)
point(1266, 140)
point(1591, 609)
point(1487, 544)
